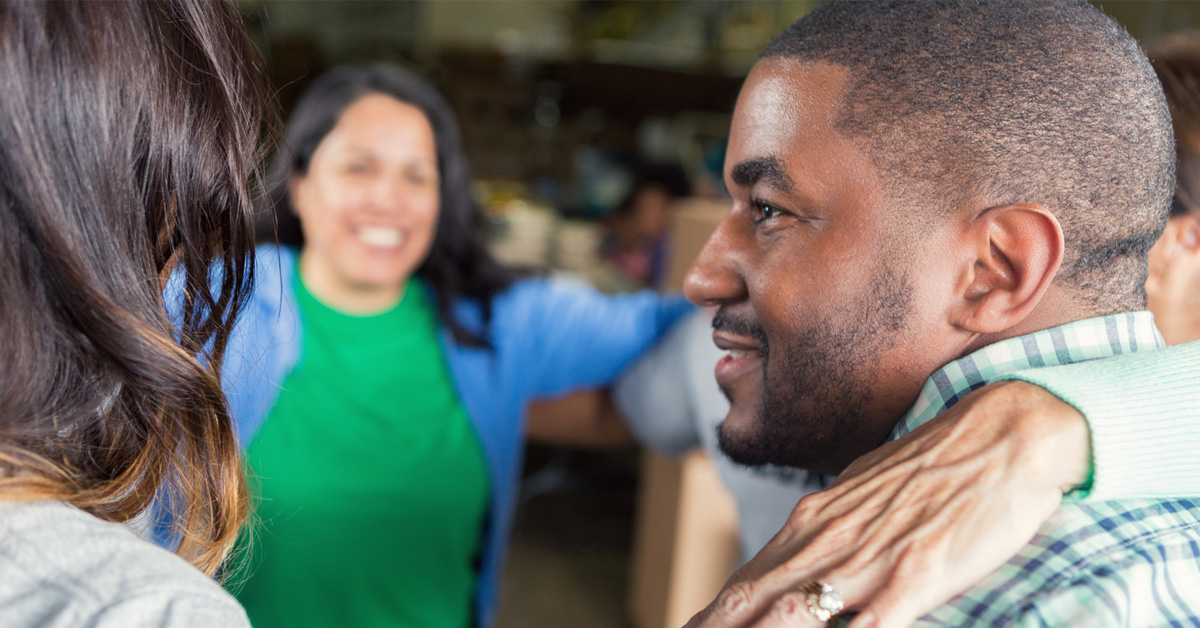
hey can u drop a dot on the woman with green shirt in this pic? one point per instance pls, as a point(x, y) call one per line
point(368, 504)
point(380, 375)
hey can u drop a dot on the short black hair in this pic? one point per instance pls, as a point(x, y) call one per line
point(1013, 101)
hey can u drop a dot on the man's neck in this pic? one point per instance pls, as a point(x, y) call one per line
point(1055, 309)
point(1090, 339)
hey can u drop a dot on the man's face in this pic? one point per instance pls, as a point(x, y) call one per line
point(829, 304)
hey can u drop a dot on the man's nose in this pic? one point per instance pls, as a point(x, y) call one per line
point(715, 278)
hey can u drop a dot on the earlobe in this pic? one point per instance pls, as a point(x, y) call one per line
point(1016, 251)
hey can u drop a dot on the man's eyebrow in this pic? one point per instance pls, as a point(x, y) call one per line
point(767, 169)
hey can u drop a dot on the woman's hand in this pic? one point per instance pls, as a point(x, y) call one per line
point(921, 519)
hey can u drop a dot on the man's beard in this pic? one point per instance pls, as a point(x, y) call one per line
point(815, 417)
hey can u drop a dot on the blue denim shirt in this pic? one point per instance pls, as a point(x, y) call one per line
point(548, 338)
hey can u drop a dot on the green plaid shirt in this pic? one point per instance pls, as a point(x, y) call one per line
point(1133, 562)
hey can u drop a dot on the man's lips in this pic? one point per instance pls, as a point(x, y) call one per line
point(745, 356)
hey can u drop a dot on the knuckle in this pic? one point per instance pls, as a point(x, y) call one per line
point(809, 507)
point(790, 610)
point(888, 610)
point(735, 600)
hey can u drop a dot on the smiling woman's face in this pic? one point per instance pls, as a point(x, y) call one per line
point(368, 205)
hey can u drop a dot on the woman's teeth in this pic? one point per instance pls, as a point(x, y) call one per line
point(741, 354)
point(380, 236)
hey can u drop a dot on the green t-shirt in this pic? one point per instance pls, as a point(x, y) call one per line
point(373, 482)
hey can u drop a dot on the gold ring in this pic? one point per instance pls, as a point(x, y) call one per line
point(823, 601)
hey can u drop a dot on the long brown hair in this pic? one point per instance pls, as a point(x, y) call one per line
point(129, 135)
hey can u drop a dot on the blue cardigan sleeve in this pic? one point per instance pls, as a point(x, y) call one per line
point(548, 338)
point(575, 337)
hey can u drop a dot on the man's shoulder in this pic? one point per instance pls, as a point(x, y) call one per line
point(1129, 562)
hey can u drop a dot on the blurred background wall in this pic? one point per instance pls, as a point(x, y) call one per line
point(562, 103)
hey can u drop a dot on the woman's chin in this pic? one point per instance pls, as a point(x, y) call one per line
point(380, 278)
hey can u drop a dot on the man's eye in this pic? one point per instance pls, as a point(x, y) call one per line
point(764, 211)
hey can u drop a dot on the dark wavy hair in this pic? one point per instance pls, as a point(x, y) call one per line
point(129, 136)
point(458, 264)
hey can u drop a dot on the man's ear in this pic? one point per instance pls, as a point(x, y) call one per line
point(1015, 252)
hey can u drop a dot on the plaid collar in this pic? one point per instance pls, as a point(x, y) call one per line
point(1089, 339)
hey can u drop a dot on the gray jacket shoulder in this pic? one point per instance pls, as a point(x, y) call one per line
point(62, 567)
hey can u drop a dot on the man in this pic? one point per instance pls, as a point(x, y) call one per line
point(929, 196)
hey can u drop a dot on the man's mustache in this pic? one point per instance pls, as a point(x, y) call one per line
point(740, 324)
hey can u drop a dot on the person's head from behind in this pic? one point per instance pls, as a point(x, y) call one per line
point(1173, 285)
point(645, 212)
point(912, 181)
point(373, 186)
point(128, 135)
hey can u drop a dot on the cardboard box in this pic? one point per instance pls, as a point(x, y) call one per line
point(693, 220)
point(685, 542)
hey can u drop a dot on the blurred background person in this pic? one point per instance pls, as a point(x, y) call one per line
point(1173, 284)
point(636, 242)
point(381, 375)
point(128, 143)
